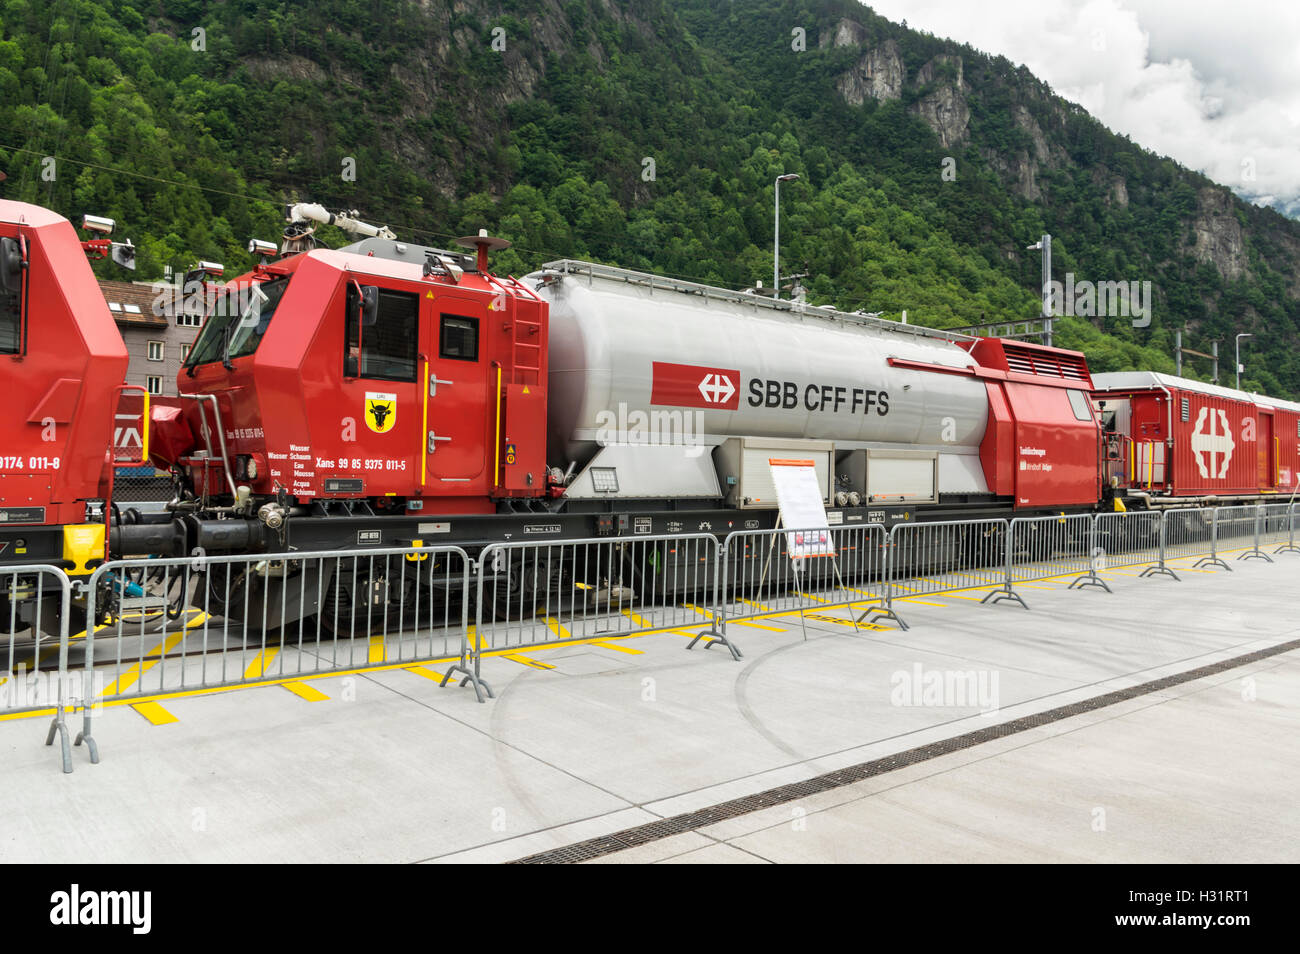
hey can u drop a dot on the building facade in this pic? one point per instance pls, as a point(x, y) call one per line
point(157, 332)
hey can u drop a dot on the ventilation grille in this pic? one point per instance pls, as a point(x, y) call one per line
point(1046, 364)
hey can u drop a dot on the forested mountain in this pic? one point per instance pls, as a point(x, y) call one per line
point(646, 134)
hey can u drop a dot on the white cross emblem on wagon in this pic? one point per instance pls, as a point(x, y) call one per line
point(1208, 444)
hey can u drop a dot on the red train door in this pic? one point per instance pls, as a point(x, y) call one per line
point(1267, 451)
point(456, 394)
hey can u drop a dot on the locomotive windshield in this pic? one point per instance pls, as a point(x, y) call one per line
point(238, 320)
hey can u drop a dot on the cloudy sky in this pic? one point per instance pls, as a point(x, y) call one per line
point(1214, 85)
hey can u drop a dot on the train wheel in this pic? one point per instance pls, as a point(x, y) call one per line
point(354, 605)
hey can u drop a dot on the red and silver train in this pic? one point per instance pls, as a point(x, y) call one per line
point(385, 393)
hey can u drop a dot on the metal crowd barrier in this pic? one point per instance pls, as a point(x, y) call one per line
point(1128, 539)
point(940, 557)
point(1290, 545)
point(769, 572)
point(1274, 528)
point(1239, 526)
point(1043, 548)
point(167, 625)
point(156, 626)
point(29, 683)
point(530, 594)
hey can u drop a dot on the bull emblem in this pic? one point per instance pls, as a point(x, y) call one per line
point(381, 411)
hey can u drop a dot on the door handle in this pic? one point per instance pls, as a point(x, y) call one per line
point(433, 439)
point(434, 381)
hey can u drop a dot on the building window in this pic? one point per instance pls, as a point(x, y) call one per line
point(154, 384)
point(155, 350)
point(185, 351)
point(184, 320)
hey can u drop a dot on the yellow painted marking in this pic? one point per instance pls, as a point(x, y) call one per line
point(526, 661)
point(821, 617)
point(263, 659)
point(426, 672)
point(153, 657)
point(920, 602)
point(698, 609)
point(154, 713)
point(377, 650)
point(637, 619)
point(689, 634)
point(605, 644)
point(745, 622)
point(554, 626)
point(765, 609)
point(310, 693)
point(475, 640)
point(810, 597)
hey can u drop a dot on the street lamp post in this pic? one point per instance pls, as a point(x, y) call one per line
point(776, 244)
point(1044, 245)
point(1239, 337)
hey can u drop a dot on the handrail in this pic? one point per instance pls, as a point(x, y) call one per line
point(496, 440)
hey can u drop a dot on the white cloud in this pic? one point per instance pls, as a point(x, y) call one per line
point(1215, 87)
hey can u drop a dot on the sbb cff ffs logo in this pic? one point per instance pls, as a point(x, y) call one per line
point(691, 385)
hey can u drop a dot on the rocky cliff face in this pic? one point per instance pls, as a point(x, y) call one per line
point(944, 108)
point(1218, 235)
point(877, 75)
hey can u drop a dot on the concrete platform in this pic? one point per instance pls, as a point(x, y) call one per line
point(386, 766)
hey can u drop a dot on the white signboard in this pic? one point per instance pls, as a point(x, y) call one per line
point(799, 499)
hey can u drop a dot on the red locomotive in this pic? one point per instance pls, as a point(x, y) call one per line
point(63, 362)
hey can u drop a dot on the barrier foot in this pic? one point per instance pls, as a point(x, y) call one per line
point(1256, 554)
point(1287, 548)
point(1211, 561)
point(1089, 579)
point(91, 745)
point(471, 679)
point(1004, 593)
point(57, 725)
point(1158, 571)
point(714, 636)
point(883, 611)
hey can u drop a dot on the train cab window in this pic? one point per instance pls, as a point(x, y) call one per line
point(11, 290)
point(383, 348)
point(1079, 404)
point(237, 322)
point(459, 338)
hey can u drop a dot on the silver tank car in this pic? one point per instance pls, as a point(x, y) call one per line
point(640, 365)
